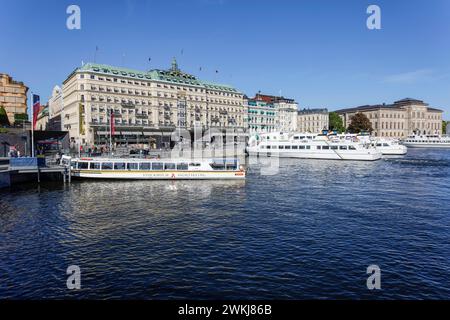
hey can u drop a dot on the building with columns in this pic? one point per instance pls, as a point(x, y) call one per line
point(399, 119)
point(146, 105)
point(312, 120)
point(13, 97)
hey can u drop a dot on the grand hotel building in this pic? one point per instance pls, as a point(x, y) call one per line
point(147, 106)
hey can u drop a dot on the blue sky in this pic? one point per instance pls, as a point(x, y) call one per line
point(319, 52)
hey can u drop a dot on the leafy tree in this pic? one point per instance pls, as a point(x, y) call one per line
point(4, 121)
point(360, 122)
point(335, 122)
point(444, 127)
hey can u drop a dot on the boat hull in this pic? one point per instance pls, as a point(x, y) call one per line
point(428, 145)
point(159, 175)
point(321, 155)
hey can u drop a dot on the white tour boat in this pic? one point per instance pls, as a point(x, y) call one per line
point(427, 141)
point(154, 169)
point(385, 145)
point(310, 146)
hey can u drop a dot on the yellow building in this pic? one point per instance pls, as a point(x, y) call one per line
point(399, 119)
point(13, 97)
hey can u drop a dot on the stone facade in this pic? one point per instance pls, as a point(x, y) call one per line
point(145, 104)
point(312, 120)
point(13, 97)
point(399, 119)
point(55, 110)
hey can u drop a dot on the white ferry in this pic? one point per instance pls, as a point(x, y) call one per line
point(427, 141)
point(384, 145)
point(310, 146)
point(154, 169)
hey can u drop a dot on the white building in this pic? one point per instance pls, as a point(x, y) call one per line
point(268, 113)
point(55, 110)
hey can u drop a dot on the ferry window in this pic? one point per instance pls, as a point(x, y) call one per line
point(294, 147)
point(133, 166)
point(385, 145)
point(195, 164)
point(73, 164)
point(334, 147)
point(107, 166)
point(379, 145)
point(295, 138)
point(268, 147)
point(308, 147)
point(319, 147)
point(281, 147)
point(302, 137)
point(145, 166)
point(302, 147)
point(157, 166)
point(83, 165)
point(351, 148)
point(119, 166)
point(287, 147)
point(95, 165)
point(343, 148)
point(182, 166)
point(231, 166)
point(169, 166)
point(325, 147)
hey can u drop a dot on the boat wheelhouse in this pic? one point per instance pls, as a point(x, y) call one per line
point(311, 146)
point(154, 169)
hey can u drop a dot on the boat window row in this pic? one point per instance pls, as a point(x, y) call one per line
point(132, 166)
point(305, 147)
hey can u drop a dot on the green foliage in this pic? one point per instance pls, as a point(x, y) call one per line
point(359, 123)
point(21, 117)
point(335, 122)
point(444, 127)
point(4, 121)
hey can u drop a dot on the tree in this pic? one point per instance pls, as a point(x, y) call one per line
point(444, 127)
point(359, 122)
point(335, 122)
point(4, 121)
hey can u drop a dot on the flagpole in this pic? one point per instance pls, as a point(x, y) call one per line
point(32, 124)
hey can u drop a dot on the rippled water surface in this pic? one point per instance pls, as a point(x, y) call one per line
point(309, 231)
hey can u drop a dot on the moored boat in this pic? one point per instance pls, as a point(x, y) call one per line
point(154, 169)
point(427, 141)
point(311, 146)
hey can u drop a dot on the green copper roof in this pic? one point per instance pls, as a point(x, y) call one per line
point(173, 75)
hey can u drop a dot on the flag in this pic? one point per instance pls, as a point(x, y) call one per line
point(112, 124)
point(36, 108)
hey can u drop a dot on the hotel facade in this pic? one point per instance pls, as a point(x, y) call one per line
point(13, 97)
point(400, 119)
point(268, 113)
point(146, 106)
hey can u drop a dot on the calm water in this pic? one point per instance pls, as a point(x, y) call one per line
point(308, 232)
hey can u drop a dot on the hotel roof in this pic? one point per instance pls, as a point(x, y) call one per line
point(173, 75)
